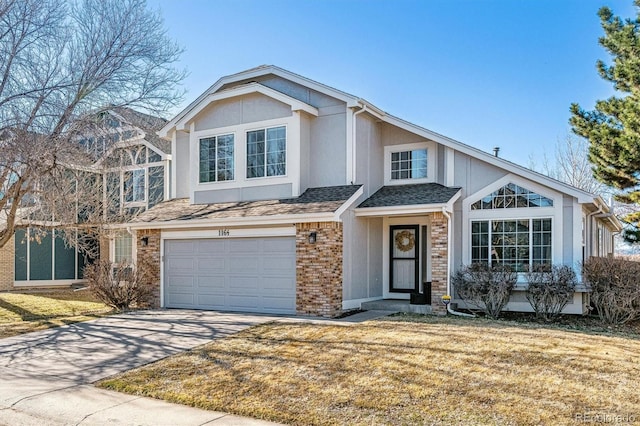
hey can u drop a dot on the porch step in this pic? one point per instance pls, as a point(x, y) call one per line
point(395, 305)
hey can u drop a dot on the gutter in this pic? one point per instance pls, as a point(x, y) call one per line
point(449, 251)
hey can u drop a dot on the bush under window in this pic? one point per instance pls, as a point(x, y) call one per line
point(485, 288)
point(550, 289)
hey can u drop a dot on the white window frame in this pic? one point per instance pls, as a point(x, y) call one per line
point(286, 148)
point(235, 148)
point(531, 231)
point(112, 247)
point(554, 213)
point(431, 162)
point(291, 123)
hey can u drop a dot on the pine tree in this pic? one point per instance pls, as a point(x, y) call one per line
point(613, 128)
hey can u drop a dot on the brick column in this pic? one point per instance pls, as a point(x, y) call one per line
point(7, 264)
point(439, 260)
point(148, 262)
point(319, 269)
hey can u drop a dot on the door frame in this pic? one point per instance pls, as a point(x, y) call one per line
point(423, 220)
point(416, 259)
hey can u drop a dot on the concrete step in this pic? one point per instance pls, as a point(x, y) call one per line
point(395, 305)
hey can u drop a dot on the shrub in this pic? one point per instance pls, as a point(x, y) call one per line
point(118, 286)
point(485, 287)
point(550, 289)
point(615, 288)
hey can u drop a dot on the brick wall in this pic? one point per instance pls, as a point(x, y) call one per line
point(7, 265)
point(148, 262)
point(439, 258)
point(319, 269)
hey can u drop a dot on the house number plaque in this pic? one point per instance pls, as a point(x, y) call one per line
point(223, 233)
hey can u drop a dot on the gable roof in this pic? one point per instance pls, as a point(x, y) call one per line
point(328, 202)
point(363, 105)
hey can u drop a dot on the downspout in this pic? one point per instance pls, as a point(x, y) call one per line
point(449, 251)
point(353, 136)
point(590, 224)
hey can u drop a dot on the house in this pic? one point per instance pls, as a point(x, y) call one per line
point(289, 196)
point(132, 164)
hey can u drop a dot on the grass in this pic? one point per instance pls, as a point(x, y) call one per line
point(427, 371)
point(37, 310)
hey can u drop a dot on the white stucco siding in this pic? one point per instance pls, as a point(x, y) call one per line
point(362, 269)
point(181, 160)
point(369, 153)
point(299, 92)
point(327, 152)
point(245, 109)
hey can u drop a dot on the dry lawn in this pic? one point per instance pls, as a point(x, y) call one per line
point(440, 371)
point(38, 310)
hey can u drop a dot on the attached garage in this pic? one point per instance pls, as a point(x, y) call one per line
point(231, 274)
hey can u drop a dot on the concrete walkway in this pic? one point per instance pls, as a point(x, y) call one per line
point(46, 376)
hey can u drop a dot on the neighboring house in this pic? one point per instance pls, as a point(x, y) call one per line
point(133, 163)
point(289, 196)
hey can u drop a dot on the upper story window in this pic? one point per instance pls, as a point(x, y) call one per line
point(267, 152)
point(216, 158)
point(409, 164)
point(134, 186)
point(511, 196)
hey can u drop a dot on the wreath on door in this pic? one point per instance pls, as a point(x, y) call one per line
point(405, 241)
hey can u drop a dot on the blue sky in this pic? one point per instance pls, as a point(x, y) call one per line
point(485, 72)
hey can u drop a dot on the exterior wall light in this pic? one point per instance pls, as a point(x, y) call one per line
point(144, 241)
point(313, 236)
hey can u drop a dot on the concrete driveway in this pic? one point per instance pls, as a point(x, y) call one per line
point(45, 377)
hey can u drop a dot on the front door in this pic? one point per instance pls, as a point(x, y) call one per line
point(404, 257)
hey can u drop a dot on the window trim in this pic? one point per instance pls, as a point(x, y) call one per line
point(246, 152)
point(145, 182)
point(431, 162)
point(555, 213)
point(505, 219)
point(234, 169)
point(112, 247)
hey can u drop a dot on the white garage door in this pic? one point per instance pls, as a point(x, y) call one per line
point(241, 274)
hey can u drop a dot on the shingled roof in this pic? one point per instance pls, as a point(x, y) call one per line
point(313, 200)
point(406, 195)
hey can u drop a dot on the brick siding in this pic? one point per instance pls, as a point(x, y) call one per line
point(319, 269)
point(148, 262)
point(7, 265)
point(439, 258)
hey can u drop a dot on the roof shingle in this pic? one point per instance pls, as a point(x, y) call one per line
point(313, 200)
point(406, 195)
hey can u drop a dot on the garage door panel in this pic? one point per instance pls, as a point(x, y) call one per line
point(211, 247)
point(278, 264)
point(182, 282)
point(246, 246)
point(281, 285)
point(179, 264)
point(241, 274)
point(278, 303)
point(211, 265)
point(279, 245)
point(243, 302)
point(180, 247)
point(242, 284)
point(243, 264)
point(208, 283)
point(212, 301)
point(181, 299)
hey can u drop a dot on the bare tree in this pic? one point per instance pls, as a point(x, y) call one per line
point(61, 63)
point(570, 164)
